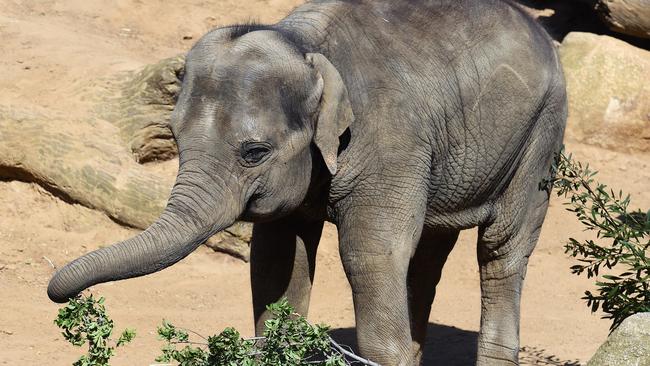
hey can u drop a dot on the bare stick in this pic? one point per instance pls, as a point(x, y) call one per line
point(352, 355)
point(49, 261)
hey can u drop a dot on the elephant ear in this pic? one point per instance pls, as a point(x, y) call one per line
point(334, 109)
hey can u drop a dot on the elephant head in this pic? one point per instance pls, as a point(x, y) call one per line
point(255, 121)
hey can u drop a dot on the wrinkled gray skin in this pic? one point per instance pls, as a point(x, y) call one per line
point(401, 122)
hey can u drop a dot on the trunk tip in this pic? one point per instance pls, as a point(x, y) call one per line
point(57, 293)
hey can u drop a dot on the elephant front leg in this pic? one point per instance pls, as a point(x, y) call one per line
point(283, 261)
point(375, 250)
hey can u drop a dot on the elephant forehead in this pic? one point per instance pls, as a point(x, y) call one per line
point(262, 126)
point(240, 112)
point(257, 53)
point(247, 82)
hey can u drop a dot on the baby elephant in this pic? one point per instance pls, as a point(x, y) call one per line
point(402, 122)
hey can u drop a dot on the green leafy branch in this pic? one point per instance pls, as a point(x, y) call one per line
point(289, 340)
point(607, 213)
point(84, 319)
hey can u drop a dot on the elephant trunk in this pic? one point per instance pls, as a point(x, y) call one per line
point(189, 219)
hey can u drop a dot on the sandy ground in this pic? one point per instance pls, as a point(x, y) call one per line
point(50, 47)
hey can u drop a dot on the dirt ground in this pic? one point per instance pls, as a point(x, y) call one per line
point(50, 47)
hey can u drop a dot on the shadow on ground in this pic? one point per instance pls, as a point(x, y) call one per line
point(451, 346)
point(445, 345)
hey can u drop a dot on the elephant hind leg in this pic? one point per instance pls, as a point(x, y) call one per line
point(508, 239)
point(424, 274)
point(503, 258)
point(506, 243)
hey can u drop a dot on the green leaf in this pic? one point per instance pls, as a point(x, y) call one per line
point(84, 321)
point(127, 336)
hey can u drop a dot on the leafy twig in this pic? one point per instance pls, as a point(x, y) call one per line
point(84, 319)
point(606, 212)
point(288, 340)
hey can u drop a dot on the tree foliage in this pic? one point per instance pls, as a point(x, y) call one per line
point(622, 241)
point(289, 340)
point(84, 319)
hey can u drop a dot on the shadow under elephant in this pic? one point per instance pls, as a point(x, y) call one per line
point(445, 345)
point(451, 346)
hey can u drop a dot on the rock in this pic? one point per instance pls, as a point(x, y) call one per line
point(242, 230)
point(224, 242)
point(628, 345)
point(81, 161)
point(153, 142)
point(630, 17)
point(139, 104)
point(608, 90)
point(234, 241)
point(157, 84)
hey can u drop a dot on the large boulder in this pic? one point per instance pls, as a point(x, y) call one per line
point(628, 345)
point(139, 104)
point(235, 241)
point(81, 161)
point(630, 17)
point(609, 92)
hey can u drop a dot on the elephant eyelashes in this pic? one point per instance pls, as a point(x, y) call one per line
point(255, 153)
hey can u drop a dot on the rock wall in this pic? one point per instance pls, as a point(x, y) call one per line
point(608, 84)
point(628, 345)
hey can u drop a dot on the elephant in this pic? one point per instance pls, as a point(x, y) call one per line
point(401, 122)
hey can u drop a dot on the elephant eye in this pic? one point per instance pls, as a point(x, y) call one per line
point(254, 153)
